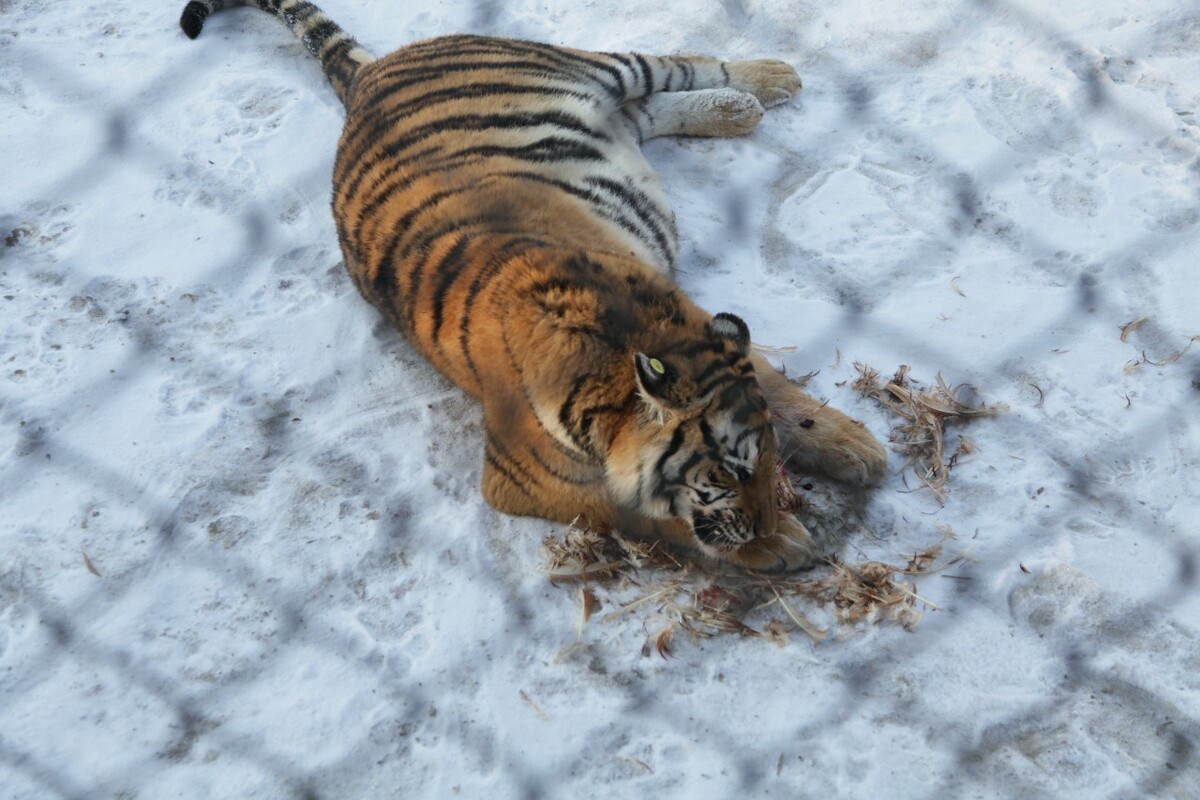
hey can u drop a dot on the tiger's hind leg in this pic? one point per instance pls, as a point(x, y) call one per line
point(770, 81)
point(707, 112)
point(814, 436)
point(703, 96)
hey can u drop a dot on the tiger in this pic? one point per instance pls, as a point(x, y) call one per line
point(492, 201)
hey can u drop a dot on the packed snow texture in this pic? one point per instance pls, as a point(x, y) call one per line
point(244, 548)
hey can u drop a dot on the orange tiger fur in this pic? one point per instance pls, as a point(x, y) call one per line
point(492, 201)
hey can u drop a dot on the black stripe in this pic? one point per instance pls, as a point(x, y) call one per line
point(383, 196)
point(448, 270)
point(501, 452)
point(588, 417)
point(746, 409)
point(672, 448)
point(566, 410)
point(411, 77)
point(532, 407)
point(720, 380)
point(615, 212)
point(422, 241)
point(591, 61)
point(338, 67)
point(691, 349)
point(405, 74)
point(511, 249)
point(663, 485)
point(384, 285)
point(496, 465)
point(599, 206)
point(465, 122)
point(689, 76)
point(573, 63)
point(489, 122)
point(631, 115)
point(395, 237)
point(696, 457)
point(647, 73)
point(747, 432)
point(302, 11)
point(476, 90)
point(423, 238)
point(572, 480)
point(713, 366)
point(544, 150)
point(620, 92)
point(710, 439)
point(405, 223)
point(581, 68)
point(643, 208)
point(315, 36)
point(631, 197)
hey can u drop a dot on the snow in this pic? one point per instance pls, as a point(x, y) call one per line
point(244, 549)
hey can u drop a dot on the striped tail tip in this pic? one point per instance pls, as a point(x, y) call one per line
point(193, 18)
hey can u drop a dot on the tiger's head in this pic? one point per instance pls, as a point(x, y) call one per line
point(702, 449)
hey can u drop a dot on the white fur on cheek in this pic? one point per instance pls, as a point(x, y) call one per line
point(625, 476)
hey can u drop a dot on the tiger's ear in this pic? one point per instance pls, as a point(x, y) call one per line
point(728, 326)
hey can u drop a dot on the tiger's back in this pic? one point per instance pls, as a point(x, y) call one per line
point(491, 199)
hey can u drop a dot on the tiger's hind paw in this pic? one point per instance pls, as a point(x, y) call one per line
point(772, 82)
point(827, 441)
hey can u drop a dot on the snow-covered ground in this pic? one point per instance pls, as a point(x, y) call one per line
point(243, 551)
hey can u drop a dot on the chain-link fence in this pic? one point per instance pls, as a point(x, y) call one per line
point(245, 552)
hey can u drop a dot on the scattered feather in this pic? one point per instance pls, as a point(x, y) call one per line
point(1041, 395)
point(924, 414)
point(778, 631)
point(580, 554)
point(1130, 327)
point(541, 712)
point(773, 350)
point(588, 603)
point(701, 600)
point(639, 762)
point(799, 619)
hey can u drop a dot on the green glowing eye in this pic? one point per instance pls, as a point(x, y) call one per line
point(657, 366)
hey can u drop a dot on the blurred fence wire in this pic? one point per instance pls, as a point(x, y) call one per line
point(67, 636)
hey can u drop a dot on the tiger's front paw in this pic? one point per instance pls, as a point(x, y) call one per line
point(772, 82)
point(790, 548)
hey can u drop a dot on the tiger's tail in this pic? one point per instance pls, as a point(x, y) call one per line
point(340, 55)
